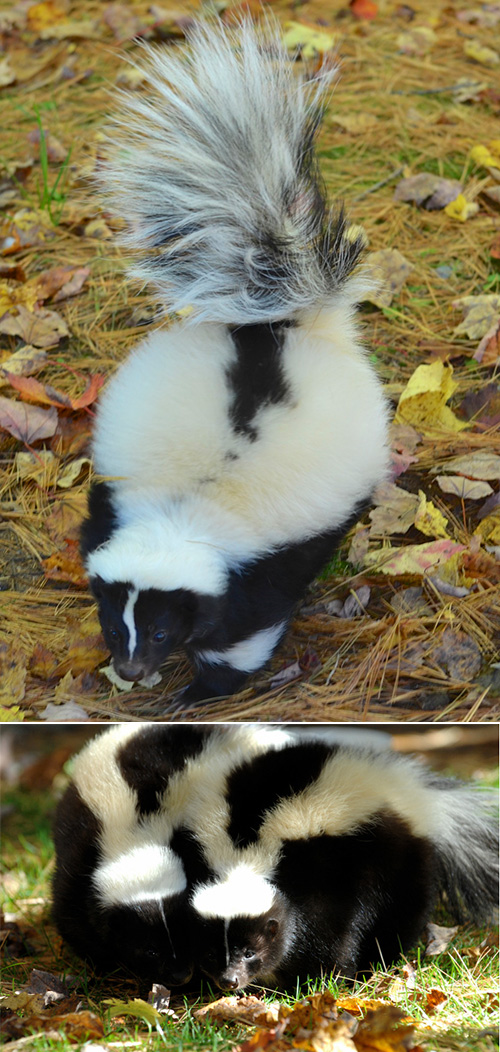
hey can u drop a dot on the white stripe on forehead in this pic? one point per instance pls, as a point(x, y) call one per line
point(242, 893)
point(128, 620)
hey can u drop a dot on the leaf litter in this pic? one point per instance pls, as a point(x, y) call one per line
point(408, 127)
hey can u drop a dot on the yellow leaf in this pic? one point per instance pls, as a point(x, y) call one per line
point(12, 715)
point(487, 157)
point(461, 208)
point(311, 40)
point(480, 53)
point(137, 1008)
point(412, 559)
point(429, 519)
point(423, 401)
point(489, 528)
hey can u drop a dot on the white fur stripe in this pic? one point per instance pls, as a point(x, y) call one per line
point(249, 654)
point(243, 893)
point(129, 622)
point(149, 871)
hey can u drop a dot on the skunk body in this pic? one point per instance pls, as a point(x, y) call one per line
point(237, 447)
point(331, 858)
point(253, 854)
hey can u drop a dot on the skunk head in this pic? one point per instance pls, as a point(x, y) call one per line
point(148, 938)
point(159, 585)
point(242, 928)
point(142, 627)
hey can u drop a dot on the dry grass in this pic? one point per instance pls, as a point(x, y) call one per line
point(378, 667)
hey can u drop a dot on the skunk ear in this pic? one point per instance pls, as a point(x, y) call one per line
point(207, 615)
point(272, 927)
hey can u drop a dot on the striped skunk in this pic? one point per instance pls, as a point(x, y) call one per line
point(120, 894)
point(255, 853)
point(331, 858)
point(237, 447)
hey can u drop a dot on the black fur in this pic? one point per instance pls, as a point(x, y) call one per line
point(148, 760)
point(101, 520)
point(255, 949)
point(256, 378)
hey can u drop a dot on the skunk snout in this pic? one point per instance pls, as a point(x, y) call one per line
point(181, 976)
point(131, 670)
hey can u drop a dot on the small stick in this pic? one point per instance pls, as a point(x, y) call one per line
point(382, 182)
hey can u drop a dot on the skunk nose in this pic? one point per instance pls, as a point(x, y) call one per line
point(132, 670)
point(230, 984)
point(179, 977)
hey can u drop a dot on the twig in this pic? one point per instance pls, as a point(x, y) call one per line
point(382, 182)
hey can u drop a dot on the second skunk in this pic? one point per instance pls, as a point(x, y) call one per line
point(238, 446)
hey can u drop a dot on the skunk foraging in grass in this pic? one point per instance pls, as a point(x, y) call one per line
point(120, 894)
point(256, 853)
point(331, 858)
point(238, 446)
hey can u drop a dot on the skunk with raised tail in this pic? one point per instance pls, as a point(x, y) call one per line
point(238, 446)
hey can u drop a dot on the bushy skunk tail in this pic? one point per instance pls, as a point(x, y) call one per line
point(216, 170)
point(467, 843)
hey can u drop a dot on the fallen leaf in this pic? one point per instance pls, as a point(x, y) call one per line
point(310, 40)
point(395, 510)
point(428, 519)
point(461, 208)
point(486, 156)
point(390, 270)
point(7, 75)
point(69, 475)
point(489, 528)
point(466, 489)
point(434, 999)
point(34, 391)
point(41, 467)
point(354, 606)
point(438, 939)
point(423, 401)
point(416, 41)
point(56, 152)
point(458, 654)
point(413, 559)
point(43, 328)
point(241, 1009)
point(66, 516)
point(356, 123)
point(488, 350)
point(28, 423)
point(60, 282)
point(480, 314)
point(66, 565)
point(136, 1009)
point(122, 21)
point(24, 362)
point(67, 712)
point(477, 51)
point(480, 464)
point(430, 191)
point(363, 9)
point(43, 662)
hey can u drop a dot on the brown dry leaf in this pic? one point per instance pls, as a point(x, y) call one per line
point(428, 519)
point(249, 1010)
point(488, 350)
point(27, 229)
point(356, 123)
point(33, 391)
point(7, 74)
point(390, 270)
point(480, 464)
point(384, 1031)
point(60, 282)
point(28, 423)
point(13, 296)
point(86, 647)
point(41, 467)
point(43, 328)
point(66, 565)
point(65, 518)
point(86, 28)
point(433, 1000)
point(45, 13)
point(42, 663)
point(458, 654)
point(56, 152)
point(466, 489)
point(430, 191)
point(69, 475)
point(480, 314)
point(24, 362)
point(99, 229)
point(395, 510)
point(71, 688)
point(122, 21)
point(438, 939)
point(73, 435)
point(12, 673)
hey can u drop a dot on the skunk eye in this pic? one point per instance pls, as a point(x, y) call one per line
point(159, 637)
point(248, 954)
point(113, 633)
